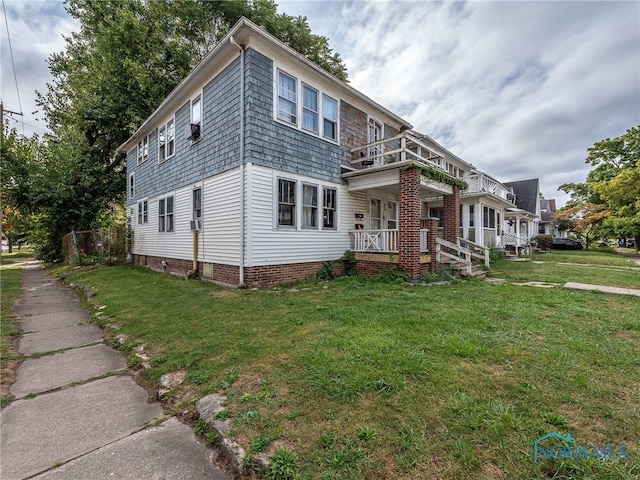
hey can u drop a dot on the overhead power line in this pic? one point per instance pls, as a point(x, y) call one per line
point(13, 64)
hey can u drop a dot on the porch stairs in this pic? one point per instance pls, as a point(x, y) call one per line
point(463, 257)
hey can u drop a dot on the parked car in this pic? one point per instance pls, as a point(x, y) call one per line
point(631, 243)
point(566, 244)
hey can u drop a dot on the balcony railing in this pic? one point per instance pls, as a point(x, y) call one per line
point(479, 182)
point(382, 241)
point(399, 148)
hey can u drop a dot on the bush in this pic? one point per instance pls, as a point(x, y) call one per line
point(439, 275)
point(542, 241)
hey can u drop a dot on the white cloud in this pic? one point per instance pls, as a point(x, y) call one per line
point(36, 29)
point(519, 89)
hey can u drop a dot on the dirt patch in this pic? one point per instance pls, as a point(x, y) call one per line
point(491, 471)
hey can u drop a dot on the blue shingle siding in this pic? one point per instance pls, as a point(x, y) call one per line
point(216, 152)
point(271, 144)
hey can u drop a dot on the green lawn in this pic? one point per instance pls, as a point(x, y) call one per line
point(9, 291)
point(372, 380)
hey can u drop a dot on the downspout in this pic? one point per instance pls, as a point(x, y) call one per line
point(242, 179)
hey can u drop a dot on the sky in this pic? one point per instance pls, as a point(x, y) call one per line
point(519, 89)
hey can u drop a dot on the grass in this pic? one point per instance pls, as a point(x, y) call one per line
point(362, 379)
point(9, 292)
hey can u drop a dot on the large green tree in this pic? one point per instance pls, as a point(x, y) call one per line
point(612, 188)
point(124, 60)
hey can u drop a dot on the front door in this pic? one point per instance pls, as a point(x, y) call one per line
point(375, 214)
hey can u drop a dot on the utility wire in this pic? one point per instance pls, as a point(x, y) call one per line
point(13, 64)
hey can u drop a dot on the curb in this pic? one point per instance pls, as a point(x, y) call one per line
point(208, 409)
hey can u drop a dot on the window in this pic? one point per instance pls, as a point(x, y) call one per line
point(196, 119)
point(165, 214)
point(143, 212)
point(309, 206)
point(171, 138)
point(329, 208)
point(143, 150)
point(375, 134)
point(162, 147)
point(471, 215)
point(132, 186)
point(309, 108)
point(287, 105)
point(166, 141)
point(330, 114)
point(286, 203)
point(488, 217)
point(197, 204)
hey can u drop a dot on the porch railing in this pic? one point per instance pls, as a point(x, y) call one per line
point(375, 241)
point(462, 252)
point(399, 148)
point(383, 241)
point(511, 239)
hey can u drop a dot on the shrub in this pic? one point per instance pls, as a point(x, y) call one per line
point(542, 241)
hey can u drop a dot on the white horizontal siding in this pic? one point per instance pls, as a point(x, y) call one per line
point(147, 240)
point(219, 238)
point(270, 245)
point(220, 235)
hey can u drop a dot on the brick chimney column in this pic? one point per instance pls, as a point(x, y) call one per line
point(409, 225)
point(451, 216)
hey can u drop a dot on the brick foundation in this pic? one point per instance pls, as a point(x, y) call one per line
point(259, 276)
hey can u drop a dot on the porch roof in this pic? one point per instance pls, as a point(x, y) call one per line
point(387, 177)
point(515, 212)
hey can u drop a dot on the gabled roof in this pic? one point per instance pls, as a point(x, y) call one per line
point(241, 34)
point(527, 192)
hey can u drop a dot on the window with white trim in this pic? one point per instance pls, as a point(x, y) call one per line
point(309, 108)
point(287, 98)
point(143, 150)
point(165, 214)
point(309, 206)
point(166, 141)
point(196, 119)
point(197, 204)
point(489, 217)
point(143, 212)
point(330, 117)
point(329, 208)
point(305, 107)
point(286, 203)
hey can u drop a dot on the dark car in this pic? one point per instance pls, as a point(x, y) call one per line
point(566, 244)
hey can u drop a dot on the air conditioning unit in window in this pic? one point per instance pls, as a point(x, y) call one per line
point(193, 131)
point(196, 225)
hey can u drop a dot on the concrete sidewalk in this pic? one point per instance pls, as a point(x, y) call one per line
point(78, 414)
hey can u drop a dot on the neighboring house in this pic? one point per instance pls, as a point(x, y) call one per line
point(521, 221)
point(546, 225)
point(260, 166)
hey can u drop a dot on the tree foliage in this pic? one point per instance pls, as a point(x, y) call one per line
point(127, 56)
point(610, 196)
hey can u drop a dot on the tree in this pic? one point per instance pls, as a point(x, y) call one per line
point(126, 58)
point(611, 194)
point(587, 220)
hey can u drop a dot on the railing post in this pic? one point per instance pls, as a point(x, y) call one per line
point(403, 146)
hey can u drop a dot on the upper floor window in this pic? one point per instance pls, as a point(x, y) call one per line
point(143, 150)
point(330, 114)
point(286, 203)
point(287, 98)
point(196, 119)
point(165, 214)
point(166, 141)
point(309, 108)
point(305, 107)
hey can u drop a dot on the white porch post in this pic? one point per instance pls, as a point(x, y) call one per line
point(465, 221)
